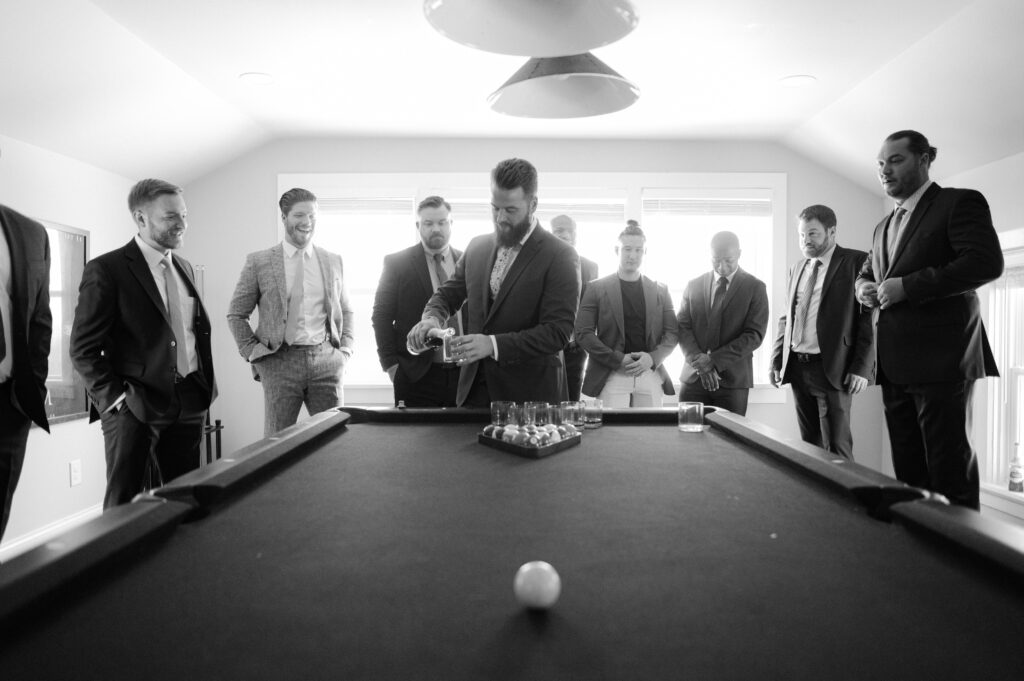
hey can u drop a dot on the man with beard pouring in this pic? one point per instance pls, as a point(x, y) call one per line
point(521, 290)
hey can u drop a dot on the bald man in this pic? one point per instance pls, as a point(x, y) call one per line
point(722, 320)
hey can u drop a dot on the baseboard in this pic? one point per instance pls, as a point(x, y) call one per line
point(25, 542)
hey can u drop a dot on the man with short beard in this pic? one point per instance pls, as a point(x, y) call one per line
point(141, 342)
point(407, 281)
point(521, 290)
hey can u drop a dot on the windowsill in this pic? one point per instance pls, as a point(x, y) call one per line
point(1003, 501)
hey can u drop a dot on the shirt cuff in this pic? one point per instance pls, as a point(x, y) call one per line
point(116, 403)
point(494, 344)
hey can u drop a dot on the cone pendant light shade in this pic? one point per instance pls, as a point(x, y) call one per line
point(532, 28)
point(564, 87)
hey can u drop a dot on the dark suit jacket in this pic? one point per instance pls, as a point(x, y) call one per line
point(403, 291)
point(844, 328)
point(588, 273)
point(30, 306)
point(121, 340)
point(732, 339)
point(531, 317)
point(601, 331)
point(948, 249)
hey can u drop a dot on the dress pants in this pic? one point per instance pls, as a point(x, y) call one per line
point(437, 388)
point(142, 456)
point(621, 390)
point(822, 412)
point(929, 429)
point(297, 375)
point(14, 427)
point(733, 399)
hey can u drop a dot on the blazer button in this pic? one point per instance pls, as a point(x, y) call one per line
point(173, 344)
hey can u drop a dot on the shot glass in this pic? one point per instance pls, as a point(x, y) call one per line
point(572, 412)
point(535, 413)
point(691, 417)
point(447, 351)
point(503, 413)
point(592, 412)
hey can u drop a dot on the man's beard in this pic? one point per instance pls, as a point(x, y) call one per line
point(512, 235)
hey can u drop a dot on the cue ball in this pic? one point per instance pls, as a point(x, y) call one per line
point(537, 585)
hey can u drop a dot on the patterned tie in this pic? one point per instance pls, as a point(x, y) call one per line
point(800, 316)
point(894, 230)
point(291, 327)
point(500, 265)
point(177, 319)
point(439, 270)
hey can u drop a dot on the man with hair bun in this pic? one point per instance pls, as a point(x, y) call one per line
point(928, 258)
point(303, 340)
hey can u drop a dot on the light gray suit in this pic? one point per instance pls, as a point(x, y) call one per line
point(600, 330)
point(262, 286)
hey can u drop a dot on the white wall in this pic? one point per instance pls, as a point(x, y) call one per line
point(49, 186)
point(234, 211)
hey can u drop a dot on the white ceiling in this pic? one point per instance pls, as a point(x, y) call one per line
point(143, 88)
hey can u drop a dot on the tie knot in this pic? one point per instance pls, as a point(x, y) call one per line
point(723, 281)
point(900, 212)
point(438, 257)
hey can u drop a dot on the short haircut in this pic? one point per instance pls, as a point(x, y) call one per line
point(633, 229)
point(433, 202)
point(723, 240)
point(823, 214)
point(293, 196)
point(515, 172)
point(146, 191)
point(916, 142)
point(568, 222)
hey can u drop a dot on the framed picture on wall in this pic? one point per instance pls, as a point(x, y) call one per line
point(69, 251)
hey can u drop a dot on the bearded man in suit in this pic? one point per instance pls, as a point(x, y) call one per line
point(824, 347)
point(522, 289)
point(722, 320)
point(928, 258)
point(409, 278)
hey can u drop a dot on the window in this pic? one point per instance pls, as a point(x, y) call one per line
point(1004, 403)
point(367, 216)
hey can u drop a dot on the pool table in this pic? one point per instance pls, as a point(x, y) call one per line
point(382, 544)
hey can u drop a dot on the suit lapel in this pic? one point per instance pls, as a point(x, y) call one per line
point(708, 288)
point(526, 254)
point(139, 268)
point(915, 219)
point(418, 262)
point(650, 309)
point(277, 267)
point(833, 267)
point(614, 292)
point(19, 274)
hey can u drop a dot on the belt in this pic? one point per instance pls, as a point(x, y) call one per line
point(446, 366)
point(807, 357)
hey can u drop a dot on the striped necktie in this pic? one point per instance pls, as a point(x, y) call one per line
point(174, 310)
point(804, 306)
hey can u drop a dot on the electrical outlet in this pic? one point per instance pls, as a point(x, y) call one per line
point(75, 472)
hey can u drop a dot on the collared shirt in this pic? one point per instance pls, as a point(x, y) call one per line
point(447, 263)
point(6, 307)
point(809, 341)
point(153, 259)
point(511, 259)
point(714, 287)
point(312, 326)
point(909, 204)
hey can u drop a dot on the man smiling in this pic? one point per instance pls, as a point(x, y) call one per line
point(141, 341)
point(304, 337)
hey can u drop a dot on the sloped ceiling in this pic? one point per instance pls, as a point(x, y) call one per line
point(143, 88)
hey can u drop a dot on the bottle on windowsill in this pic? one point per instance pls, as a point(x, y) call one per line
point(1016, 471)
